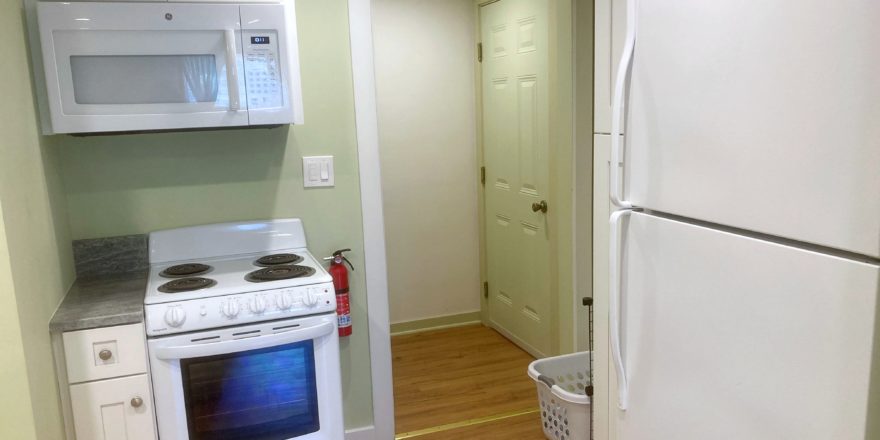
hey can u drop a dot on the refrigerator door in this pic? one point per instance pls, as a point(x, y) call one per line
point(731, 337)
point(759, 115)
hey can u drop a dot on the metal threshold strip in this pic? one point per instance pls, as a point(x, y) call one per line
point(464, 423)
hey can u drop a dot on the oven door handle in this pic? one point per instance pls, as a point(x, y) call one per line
point(244, 344)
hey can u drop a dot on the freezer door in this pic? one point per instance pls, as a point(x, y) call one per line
point(729, 337)
point(759, 115)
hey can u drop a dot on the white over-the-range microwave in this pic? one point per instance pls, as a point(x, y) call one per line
point(132, 66)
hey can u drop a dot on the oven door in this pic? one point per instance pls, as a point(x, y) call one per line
point(142, 66)
point(270, 381)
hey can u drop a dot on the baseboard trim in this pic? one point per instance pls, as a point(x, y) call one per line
point(362, 433)
point(528, 348)
point(436, 323)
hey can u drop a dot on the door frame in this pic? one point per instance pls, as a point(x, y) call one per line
point(367, 128)
point(562, 194)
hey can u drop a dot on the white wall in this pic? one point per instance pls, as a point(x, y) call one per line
point(425, 54)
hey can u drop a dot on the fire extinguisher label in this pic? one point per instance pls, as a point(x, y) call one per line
point(343, 310)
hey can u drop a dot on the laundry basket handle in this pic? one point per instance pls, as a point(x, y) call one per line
point(547, 380)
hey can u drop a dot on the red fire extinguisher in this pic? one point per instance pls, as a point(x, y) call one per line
point(340, 283)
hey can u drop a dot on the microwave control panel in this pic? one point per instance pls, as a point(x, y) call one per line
point(262, 69)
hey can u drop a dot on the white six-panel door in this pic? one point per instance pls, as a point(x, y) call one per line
point(759, 115)
point(729, 337)
point(516, 144)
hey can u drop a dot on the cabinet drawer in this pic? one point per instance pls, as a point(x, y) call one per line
point(113, 409)
point(102, 353)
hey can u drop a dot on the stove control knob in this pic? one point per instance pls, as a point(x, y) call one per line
point(229, 308)
point(175, 316)
point(285, 301)
point(257, 305)
point(311, 299)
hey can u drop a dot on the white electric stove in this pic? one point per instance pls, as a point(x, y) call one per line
point(232, 273)
point(242, 334)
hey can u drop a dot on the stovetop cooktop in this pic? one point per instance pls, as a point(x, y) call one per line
point(188, 280)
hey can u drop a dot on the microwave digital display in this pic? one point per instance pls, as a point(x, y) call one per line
point(259, 40)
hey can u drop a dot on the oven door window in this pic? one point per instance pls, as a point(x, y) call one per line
point(266, 394)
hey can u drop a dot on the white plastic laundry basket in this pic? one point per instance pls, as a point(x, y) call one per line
point(565, 407)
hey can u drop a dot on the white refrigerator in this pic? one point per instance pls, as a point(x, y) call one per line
point(745, 251)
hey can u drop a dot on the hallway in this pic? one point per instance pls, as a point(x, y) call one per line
point(465, 382)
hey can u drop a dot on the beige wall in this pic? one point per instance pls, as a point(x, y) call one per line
point(39, 266)
point(425, 55)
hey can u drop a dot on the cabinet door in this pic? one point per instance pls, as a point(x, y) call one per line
point(113, 409)
point(610, 22)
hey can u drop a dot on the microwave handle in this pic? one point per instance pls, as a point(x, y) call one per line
point(232, 71)
point(244, 344)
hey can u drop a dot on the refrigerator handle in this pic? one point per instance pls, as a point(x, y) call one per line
point(614, 272)
point(617, 107)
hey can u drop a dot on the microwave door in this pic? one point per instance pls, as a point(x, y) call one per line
point(142, 66)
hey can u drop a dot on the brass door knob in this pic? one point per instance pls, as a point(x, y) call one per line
point(136, 402)
point(105, 354)
point(540, 206)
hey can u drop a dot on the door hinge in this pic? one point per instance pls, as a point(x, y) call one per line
point(480, 52)
point(485, 289)
point(483, 176)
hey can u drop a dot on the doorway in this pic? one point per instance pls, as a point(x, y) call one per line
point(460, 350)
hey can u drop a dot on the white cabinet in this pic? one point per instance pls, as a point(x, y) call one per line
point(609, 36)
point(113, 409)
point(105, 382)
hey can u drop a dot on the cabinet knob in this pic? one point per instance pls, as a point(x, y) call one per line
point(136, 402)
point(105, 354)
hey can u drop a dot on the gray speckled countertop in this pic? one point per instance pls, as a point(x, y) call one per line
point(109, 289)
point(102, 302)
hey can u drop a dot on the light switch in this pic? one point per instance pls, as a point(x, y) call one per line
point(318, 171)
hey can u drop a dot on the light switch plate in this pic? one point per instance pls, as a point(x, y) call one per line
point(318, 171)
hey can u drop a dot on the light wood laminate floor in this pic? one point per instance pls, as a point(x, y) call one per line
point(463, 383)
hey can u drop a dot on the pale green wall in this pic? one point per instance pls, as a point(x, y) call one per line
point(130, 184)
point(39, 268)
point(16, 417)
